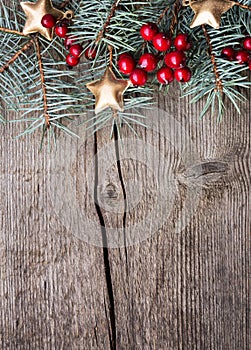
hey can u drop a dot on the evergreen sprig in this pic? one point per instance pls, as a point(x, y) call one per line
point(214, 77)
point(33, 78)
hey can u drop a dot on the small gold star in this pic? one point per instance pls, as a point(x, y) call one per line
point(209, 11)
point(35, 12)
point(109, 91)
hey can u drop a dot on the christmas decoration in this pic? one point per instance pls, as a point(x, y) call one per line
point(182, 42)
point(165, 75)
point(72, 60)
point(175, 59)
point(148, 62)
point(35, 12)
point(61, 29)
point(138, 77)
point(208, 11)
point(149, 43)
point(148, 31)
point(126, 63)
point(75, 50)
point(247, 43)
point(48, 21)
point(32, 82)
point(161, 42)
point(229, 53)
point(242, 56)
point(183, 74)
point(109, 91)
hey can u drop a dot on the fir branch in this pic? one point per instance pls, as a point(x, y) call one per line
point(17, 54)
point(245, 7)
point(43, 86)
point(163, 14)
point(218, 81)
point(176, 9)
point(11, 31)
point(103, 31)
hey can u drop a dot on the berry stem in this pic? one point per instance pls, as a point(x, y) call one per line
point(42, 78)
point(246, 7)
point(17, 54)
point(103, 31)
point(219, 84)
point(110, 49)
point(10, 31)
point(162, 15)
point(176, 9)
point(64, 4)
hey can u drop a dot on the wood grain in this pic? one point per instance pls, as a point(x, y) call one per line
point(62, 288)
point(175, 290)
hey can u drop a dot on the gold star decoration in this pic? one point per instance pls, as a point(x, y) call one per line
point(109, 91)
point(35, 12)
point(208, 11)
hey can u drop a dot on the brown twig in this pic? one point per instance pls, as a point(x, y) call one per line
point(64, 4)
point(219, 84)
point(176, 10)
point(6, 30)
point(162, 15)
point(13, 58)
point(44, 91)
point(110, 48)
point(246, 7)
point(103, 31)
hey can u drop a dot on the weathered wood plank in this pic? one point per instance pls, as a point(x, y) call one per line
point(178, 289)
point(189, 289)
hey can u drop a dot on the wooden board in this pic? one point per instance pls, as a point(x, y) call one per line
point(178, 287)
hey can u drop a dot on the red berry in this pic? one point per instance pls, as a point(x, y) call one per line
point(183, 75)
point(138, 77)
point(148, 62)
point(247, 43)
point(162, 42)
point(90, 53)
point(182, 43)
point(48, 21)
point(125, 54)
point(71, 60)
point(126, 64)
point(75, 50)
point(165, 75)
point(69, 41)
point(148, 31)
point(249, 65)
point(228, 52)
point(175, 59)
point(61, 30)
point(242, 56)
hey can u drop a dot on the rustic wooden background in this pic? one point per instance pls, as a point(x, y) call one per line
point(186, 290)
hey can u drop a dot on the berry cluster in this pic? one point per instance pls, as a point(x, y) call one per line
point(242, 56)
point(174, 58)
point(61, 29)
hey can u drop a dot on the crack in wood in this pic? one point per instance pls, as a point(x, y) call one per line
point(116, 138)
point(106, 260)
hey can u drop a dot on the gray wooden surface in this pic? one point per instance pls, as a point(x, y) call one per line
point(178, 289)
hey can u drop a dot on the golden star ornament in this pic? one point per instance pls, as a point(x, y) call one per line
point(208, 11)
point(34, 12)
point(109, 91)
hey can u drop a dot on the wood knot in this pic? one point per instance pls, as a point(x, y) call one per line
point(110, 192)
point(205, 173)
